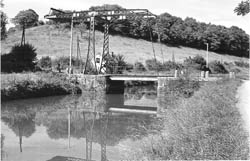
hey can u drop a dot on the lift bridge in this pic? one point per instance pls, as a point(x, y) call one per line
point(108, 18)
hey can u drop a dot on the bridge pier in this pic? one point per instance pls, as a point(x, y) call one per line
point(114, 87)
point(161, 82)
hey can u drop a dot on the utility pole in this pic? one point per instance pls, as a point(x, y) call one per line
point(207, 54)
point(69, 113)
point(71, 45)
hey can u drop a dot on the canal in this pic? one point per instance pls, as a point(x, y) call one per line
point(77, 127)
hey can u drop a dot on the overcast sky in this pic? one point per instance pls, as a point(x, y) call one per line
point(215, 11)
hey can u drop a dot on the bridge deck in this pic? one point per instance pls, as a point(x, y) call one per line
point(138, 77)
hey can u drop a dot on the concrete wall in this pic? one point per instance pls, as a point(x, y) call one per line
point(90, 82)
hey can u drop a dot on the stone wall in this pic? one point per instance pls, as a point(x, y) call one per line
point(91, 82)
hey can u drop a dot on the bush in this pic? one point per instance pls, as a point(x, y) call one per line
point(171, 65)
point(48, 84)
point(12, 30)
point(181, 87)
point(217, 67)
point(115, 64)
point(138, 66)
point(40, 22)
point(64, 62)
point(207, 126)
point(129, 67)
point(21, 58)
point(197, 62)
point(153, 64)
point(241, 64)
point(235, 70)
point(45, 62)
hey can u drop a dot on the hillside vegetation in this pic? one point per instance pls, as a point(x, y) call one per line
point(54, 41)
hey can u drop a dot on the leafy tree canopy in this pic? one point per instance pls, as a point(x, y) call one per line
point(4, 21)
point(242, 8)
point(106, 7)
point(26, 18)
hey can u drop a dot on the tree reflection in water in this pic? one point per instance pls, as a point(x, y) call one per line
point(22, 122)
point(108, 129)
point(137, 92)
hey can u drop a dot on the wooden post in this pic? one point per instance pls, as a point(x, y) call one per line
point(202, 74)
point(207, 74)
point(176, 73)
point(71, 47)
point(68, 128)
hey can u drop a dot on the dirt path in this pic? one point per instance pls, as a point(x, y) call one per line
point(244, 103)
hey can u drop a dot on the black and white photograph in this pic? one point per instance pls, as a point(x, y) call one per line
point(125, 80)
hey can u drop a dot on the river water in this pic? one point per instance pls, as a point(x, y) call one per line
point(76, 127)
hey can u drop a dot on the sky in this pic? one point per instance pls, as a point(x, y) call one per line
point(219, 12)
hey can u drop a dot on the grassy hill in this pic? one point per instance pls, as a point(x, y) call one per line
point(54, 42)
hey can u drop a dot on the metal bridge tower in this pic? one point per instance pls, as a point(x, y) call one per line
point(105, 51)
point(91, 47)
point(106, 16)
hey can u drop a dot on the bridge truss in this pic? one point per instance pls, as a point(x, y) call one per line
point(108, 17)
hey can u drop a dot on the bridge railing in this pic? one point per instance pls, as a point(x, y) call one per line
point(194, 74)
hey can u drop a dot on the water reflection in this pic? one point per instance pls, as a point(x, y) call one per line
point(84, 122)
point(21, 121)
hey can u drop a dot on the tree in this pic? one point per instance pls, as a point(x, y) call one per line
point(25, 19)
point(45, 62)
point(81, 27)
point(21, 122)
point(4, 21)
point(21, 58)
point(106, 7)
point(242, 8)
point(1, 3)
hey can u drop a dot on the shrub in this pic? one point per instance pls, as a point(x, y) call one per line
point(21, 58)
point(241, 64)
point(48, 84)
point(217, 67)
point(64, 62)
point(207, 126)
point(153, 64)
point(235, 70)
point(45, 62)
point(181, 87)
point(171, 65)
point(129, 67)
point(138, 66)
point(40, 22)
point(12, 30)
point(115, 64)
point(197, 62)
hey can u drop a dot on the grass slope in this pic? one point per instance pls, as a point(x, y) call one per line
point(206, 126)
point(54, 42)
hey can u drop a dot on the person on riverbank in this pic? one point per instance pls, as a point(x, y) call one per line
point(58, 67)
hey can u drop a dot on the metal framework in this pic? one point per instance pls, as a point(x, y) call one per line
point(89, 127)
point(106, 16)
point(104, 122)
point(89, 135)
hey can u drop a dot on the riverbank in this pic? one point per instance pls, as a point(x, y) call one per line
point(39, 84)
point(207, 125)
point(243, 96)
